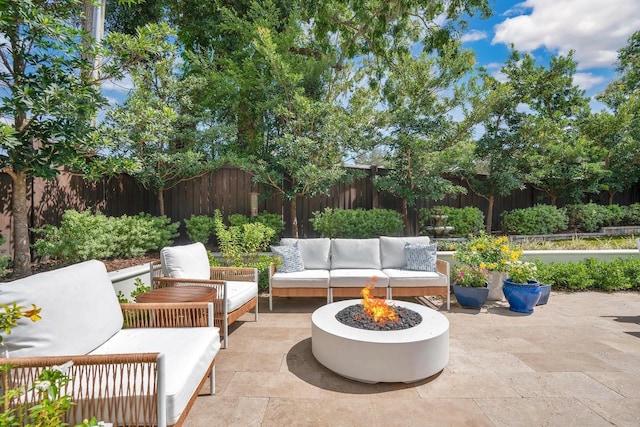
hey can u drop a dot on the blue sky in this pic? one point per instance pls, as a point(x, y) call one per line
point(594, 29)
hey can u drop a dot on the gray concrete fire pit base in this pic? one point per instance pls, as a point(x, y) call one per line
point(407, 355)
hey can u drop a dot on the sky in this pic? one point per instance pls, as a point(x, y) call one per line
point(594, 29)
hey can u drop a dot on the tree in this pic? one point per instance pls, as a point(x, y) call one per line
point(48, 99)
point(150, 130)
point(421, 136)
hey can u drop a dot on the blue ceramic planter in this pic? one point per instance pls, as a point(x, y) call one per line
point(545, 291)
point(470, 297)
point(522, 297)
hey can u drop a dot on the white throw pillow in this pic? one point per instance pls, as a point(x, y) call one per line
point(186, 262)
point(290, 257)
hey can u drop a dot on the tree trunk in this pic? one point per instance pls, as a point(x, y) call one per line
point(20, 209)
point(491, 200)
point(294, 217)
point(161, 202)
point(405, 216)
point(611, 194)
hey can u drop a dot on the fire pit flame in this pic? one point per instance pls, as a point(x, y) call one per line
point(377, 308)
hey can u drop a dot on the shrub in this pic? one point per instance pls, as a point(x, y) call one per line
point(632, 215)
point(357, 223)
point(592, 274)
point(4, 259)
point(273, 221)
point(83, 236)
point(200, 228)
point(468, 221)
point(240, 245)
point(589, 217)
point(571, 276)
point(539, 219)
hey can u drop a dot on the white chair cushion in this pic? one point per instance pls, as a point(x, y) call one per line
point(410, 278)
point(355, 253)
point(392, 250)
point(357, 277)
point(80, 311)
point(188, 353)
point(186, 261)
point(302, 279)
point(239, 293)
point(316, 253)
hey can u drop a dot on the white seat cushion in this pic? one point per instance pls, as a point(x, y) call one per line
point(186, 261)
point(188, 353)
point(357, 277)
point(409, 278)
point(301, 279)
point(80, 311)
point(239, 293)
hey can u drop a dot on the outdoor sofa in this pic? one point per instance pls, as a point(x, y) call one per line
point(133, 364)
point(188, 265)
point(397, 266)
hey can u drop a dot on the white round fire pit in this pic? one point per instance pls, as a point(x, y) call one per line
point(406, 355)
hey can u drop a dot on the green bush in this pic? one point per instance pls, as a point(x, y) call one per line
point(4, 259)
point(83, 236)
point(590, 217)
point(238, 219)
point(239, 245)
point(468, 221)
point(632, 215)
point(592, 274)
point(357, 223)
point(200, 228)
point(539, 219)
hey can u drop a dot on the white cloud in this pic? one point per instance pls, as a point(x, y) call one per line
point(123, 85)
point(473, 36)
point(594, 29)
point(587, 80)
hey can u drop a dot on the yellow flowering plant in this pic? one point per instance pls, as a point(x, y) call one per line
point(486, 251)
point(521, 272)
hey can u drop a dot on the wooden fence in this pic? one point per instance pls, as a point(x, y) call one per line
point(229, 189)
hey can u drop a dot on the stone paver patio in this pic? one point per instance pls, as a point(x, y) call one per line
point(573, 362)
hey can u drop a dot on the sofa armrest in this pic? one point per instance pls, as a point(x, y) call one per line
point(237, 274)
point(443, 267)
point(168, 315)
point(124, 389)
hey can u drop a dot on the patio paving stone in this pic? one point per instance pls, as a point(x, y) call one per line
point(574, 361)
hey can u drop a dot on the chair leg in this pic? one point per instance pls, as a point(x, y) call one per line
point(270, 302)
point(212, 380)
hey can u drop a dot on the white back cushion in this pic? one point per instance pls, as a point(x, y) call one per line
point(185, 262)
point(355, 253)
point(315, 252)
point(392, 250)
point(80, 311)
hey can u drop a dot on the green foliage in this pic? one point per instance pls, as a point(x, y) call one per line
point(139, 288)
point(4, 259)
point(357, 223)
point(539, 219)
point(240, 245)
point(468, 221)
point(590, 217)
point(200, 228)
point(237, 219)
point(270, 220)
point(83, 236)
point(632, 214)
point(592, 274)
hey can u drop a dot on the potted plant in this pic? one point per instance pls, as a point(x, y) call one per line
point(492, 253)
point(470, 285)
point(521, 288)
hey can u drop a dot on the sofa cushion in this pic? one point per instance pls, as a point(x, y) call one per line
point(357, 278)
point(290, 258)
point(315, 252)
point(421, 257)
point(186, 261)
point(400, 278)
point(239, 293)
point(392, 250)
point(80, 311)
point(302, 279)
point(355, 253)
point(188, 352)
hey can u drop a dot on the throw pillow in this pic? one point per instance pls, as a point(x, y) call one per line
point(291, 258)
point(421, 257)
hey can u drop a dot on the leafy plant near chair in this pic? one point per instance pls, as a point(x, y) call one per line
point(522, 271)
point(470, 276)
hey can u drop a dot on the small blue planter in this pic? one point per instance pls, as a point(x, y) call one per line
point(469, 297)
point(522, 297)
point(545, 291)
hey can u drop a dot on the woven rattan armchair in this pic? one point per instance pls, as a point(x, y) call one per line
point(236, 287)
point(125, 389)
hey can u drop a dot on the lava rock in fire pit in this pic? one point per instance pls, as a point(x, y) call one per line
point(355, 316)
